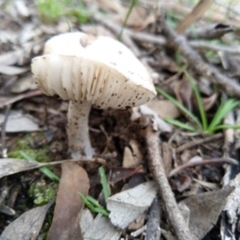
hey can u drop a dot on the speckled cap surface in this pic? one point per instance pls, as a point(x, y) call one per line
point(80, 67)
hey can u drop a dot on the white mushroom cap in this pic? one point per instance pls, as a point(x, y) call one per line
point(100, 70)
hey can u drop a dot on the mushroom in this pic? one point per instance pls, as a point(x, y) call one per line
point(87, 70)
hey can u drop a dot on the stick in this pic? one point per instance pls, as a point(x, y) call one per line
point(175, 217)
point(179, 43)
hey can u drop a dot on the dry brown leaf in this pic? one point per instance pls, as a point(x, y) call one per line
point(65, 225)
point(132, 157)
point(164, 108)
point(139, 18)
point(120, 173)
point(197, 12)
point(115, 6)
point(210, 101)
point(28, 225)
point(205, 209)
point(183, 91)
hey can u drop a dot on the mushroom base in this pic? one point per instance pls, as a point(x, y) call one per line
point(78, 131)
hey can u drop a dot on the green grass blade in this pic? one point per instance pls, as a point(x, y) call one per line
point(199, 101)
point(87, 203)
point(222, 111)
point(104, 182)
point(45, 170)
point(180, 124)
point(133, 3)
point(93, 205)
point(93, 201)
point(180, 106)
point(48, 173)
point(103, 211)
point(224, 126)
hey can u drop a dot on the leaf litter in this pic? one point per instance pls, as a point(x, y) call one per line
point(119, 135)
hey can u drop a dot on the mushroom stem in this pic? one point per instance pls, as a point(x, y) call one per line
point(77, 129)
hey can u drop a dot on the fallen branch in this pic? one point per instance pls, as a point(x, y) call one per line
point(198, 142)
point(159, 39)
point(179, 43)
point(202, 162)
point(175, 217)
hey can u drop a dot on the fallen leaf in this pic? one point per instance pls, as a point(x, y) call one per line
point(11, 70)
point(153, 230)
point(184, 92)
point(18, 122)
point(28, 225)
point(126, 206)
point(231, 207)
point(23, 84)
point(132, 157)
point(65, 225)
point(210, 101)
point(22, 9)
point(99, 228)
point(138, 19)
point(120, 173)
point(164, 108)
point(10, 58)
point(197, 12)
point(205, 209)
point(9, 166)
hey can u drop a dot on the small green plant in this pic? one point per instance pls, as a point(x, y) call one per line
point(91, 202)
point(104, 182)
point(201, 125)
point(45, 170)
point(93, 205)
point(132, 5)
point(43, 192)
point(25, 152)
point(52, 10)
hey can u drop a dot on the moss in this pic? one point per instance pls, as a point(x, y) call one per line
point(40, 154)
point(42, 192)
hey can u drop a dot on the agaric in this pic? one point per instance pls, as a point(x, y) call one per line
point(87, 70)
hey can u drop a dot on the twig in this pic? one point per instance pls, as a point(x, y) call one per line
point(202, 162)
point(3, 131)
point(194, 60)
point(211, 31)
point(153, 230)
point(198, 142)
point(159, 39)
point(196, 13)
point(157, 169)
point(31, 94)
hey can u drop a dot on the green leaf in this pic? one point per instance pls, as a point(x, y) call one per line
point(87, 203)
point(180, 124)
point(225, 126)
point(133, 3)
point(199, 101)
point(180, 106)
point(93, 201)
point(94, 205)
point(104, 182)
point(45, 170)
point(222, 111)
point(103, 211)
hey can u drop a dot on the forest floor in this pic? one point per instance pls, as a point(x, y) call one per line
point(191, 128)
